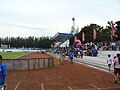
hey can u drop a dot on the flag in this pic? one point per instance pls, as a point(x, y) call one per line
point(83, 36)
point(113, 29)
point(94, 34)
point(75, 38)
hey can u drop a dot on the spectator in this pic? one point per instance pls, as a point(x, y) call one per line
point(3, 73)
point(117, 68)
point(109, 62)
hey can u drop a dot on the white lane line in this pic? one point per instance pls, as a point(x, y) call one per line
point(19, 56)
point(104, 88)
point(117, 85)
point(42, 86)
point(69, 88)
point(17, 85)
point(95, 86)
point(110, 87)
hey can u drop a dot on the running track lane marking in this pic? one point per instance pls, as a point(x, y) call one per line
point(117, 85)
point(95, 86)
point(69, 88)
point(42, 86)
point(17, 85)
point(109, 87)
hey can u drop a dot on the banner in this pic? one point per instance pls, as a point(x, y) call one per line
point(83, 36)
point(113, 29)
point(94, 34)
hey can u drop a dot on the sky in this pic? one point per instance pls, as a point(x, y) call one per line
point(38, 18)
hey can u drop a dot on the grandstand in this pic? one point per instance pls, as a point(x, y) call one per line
point(61, 39)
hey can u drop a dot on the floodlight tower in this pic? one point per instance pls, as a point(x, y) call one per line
point(73, 26)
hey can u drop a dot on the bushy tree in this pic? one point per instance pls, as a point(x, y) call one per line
point(118, 31)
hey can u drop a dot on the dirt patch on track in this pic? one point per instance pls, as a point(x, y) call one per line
point(34, 55)
point(62, 77)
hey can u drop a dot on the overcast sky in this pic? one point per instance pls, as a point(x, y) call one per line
point(47, 17)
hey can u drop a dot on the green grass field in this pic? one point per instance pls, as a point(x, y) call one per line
point(10, 55)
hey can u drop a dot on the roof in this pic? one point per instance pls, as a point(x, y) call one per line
point(61, 36)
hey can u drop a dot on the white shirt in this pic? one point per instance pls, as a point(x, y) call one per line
point(109, 61)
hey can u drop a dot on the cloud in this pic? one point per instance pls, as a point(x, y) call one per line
point(14, 30)
point(47, 17)
point(23, 26)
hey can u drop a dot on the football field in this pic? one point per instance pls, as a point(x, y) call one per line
point(11, 55)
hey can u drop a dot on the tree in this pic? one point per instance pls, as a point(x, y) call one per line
point(105, 34)
point(30, 42)
point(88, 30)
point(118, 31)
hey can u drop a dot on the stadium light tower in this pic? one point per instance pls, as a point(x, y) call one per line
point(73, 26)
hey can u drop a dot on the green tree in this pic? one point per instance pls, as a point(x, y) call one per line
point(105, 34)
point(88, 30)
point(118, 31)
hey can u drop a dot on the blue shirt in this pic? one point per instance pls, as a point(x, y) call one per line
point(71, 55)
point(3, 73)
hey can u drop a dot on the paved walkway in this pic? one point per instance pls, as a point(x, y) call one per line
point(99, 62)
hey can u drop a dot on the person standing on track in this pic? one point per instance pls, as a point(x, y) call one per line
point(109, 62)
point(3, 74)
point(117, 69)
point(61, 58)
point(71, 56)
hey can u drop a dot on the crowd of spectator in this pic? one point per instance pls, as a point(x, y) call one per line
point(88, 49)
